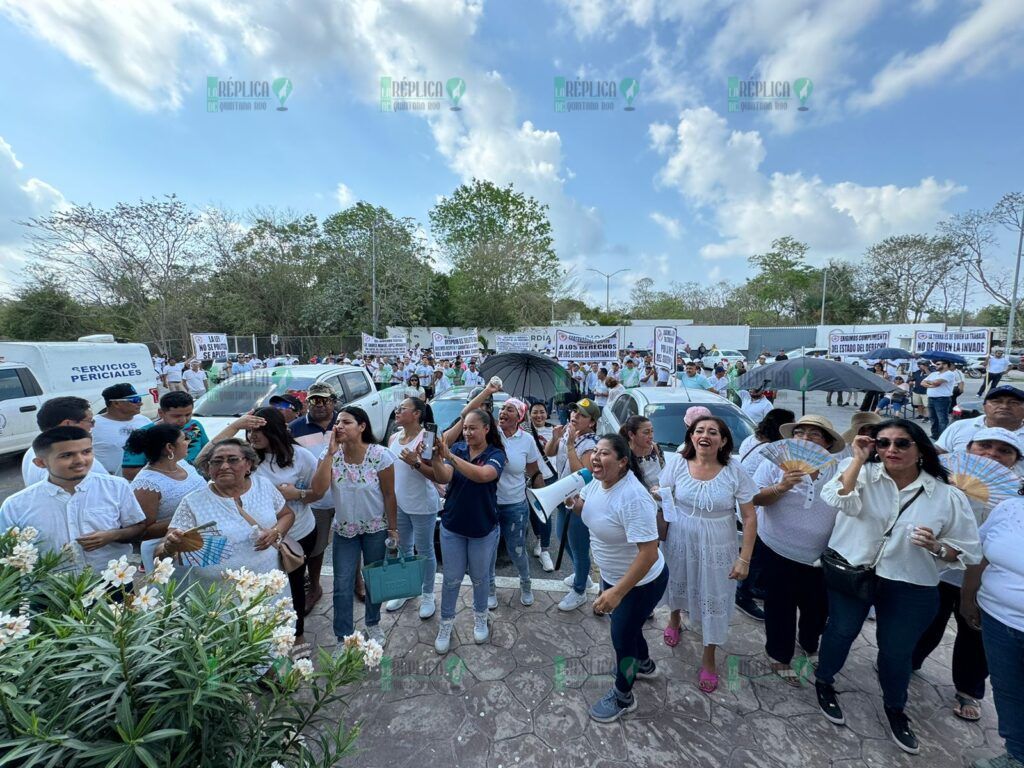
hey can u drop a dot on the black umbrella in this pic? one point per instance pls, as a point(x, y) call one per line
point(812, 373)
point(948, 357)
point(527, 374)
point(887, 353)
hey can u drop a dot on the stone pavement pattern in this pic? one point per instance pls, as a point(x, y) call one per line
point(521, 700)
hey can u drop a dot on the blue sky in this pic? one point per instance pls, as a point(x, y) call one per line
point(912, 117)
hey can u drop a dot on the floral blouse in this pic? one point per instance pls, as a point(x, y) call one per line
point(358, 500)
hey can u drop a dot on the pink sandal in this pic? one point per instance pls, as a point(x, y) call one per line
point(707, 681)
point(671, 636)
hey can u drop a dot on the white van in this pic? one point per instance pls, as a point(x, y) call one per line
point(33, 372)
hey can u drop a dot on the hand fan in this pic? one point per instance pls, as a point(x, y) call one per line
point(215, 548)
point(802, 455)
point(980, 478)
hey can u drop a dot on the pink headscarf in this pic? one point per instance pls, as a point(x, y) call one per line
point(520, 407)
point(694, 413)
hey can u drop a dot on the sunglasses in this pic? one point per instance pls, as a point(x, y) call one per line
point(133, 399)
point(316, 399)
point(900, 443)
point(284, 406)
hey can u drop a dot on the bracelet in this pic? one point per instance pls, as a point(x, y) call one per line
point(745, 562)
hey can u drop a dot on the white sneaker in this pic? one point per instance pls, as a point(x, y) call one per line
point(568, 580)
point(537, 550)
point(572, 601)
point(427, 606)
point(492, 602)
point(481, 632)
point(444, 636)
point(395, 605)
point(545, 562)
point(376, 633)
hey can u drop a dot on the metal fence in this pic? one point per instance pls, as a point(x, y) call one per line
point(302, 347)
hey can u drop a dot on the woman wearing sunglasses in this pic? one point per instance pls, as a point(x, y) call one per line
point(899, 514)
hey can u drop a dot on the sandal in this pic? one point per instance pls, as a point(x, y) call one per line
point(787, 674)
point(707, 681)
point(313, 599)
point(964, 703)
point(301, 651)
point(671, 636)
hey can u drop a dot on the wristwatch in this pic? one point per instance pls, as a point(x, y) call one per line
point(302, 495)
point(417, 464)
point(941, 554)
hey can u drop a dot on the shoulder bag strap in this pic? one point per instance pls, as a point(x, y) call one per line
point(888, 533)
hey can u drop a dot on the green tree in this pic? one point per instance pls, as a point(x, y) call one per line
point(845, 296)
point(45, 311)
point(500, 246)
point(904, 273)
point(780, 289)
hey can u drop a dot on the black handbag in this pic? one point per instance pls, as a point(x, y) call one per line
point(857, 581)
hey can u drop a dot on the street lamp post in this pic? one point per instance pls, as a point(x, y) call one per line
point(608, 285)
point(824, 285)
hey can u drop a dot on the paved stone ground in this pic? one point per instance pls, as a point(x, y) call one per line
point(521, 700)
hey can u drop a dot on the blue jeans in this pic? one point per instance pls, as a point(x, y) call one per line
point(1004, 649)
point(903, 612)
point(578, 546)
point(628, 628)
point(938, 411)
point(460, 554)
point(416, 532)
point(512, 520)
point(346, 553)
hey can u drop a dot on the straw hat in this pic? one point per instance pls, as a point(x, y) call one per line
point(811, 420)
point(860, 420)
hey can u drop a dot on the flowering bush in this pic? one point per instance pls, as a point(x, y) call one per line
point(163, 675)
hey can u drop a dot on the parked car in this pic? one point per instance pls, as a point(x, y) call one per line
point(712, 359)
point(245, 391)
point(447, 407)
point(665, 407)
point(33, 372)
point(967, 407)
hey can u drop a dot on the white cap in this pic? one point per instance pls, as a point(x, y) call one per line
point(1000, 434)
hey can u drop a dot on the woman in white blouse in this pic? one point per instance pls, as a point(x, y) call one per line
point(361, 475)
point(700, 547)
point(898, 513)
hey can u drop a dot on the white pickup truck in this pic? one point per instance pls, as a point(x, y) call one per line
point(33, 372)
point(245, 391)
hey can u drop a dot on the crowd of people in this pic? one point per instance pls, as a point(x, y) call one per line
point(880, 533)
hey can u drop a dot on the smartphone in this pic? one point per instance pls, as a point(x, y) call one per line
point(429, 435)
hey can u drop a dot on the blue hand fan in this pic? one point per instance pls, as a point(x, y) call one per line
point(981, 478)
point(801, 455)
point(215, 548)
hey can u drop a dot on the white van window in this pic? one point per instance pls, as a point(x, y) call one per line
point(10, 385)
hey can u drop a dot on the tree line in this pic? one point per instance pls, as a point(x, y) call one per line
point(158, 269)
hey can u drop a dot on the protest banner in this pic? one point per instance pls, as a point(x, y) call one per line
point(210, 346)
point(391, 347)
point(583, 349)
point(957, 342)
point(519, 342)
point(840, 343)
point(450, 347)
point(665, 348)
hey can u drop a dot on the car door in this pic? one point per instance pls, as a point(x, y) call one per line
point(20, 399)
point(334, 382)
point(623, 407)
point(361, 392)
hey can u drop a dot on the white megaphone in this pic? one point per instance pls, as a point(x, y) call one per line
point(544, 501)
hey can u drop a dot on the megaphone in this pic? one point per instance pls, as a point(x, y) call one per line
point(544, 501)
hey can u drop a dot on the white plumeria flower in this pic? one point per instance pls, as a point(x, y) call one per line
point(162, 571)
point(373, 652)
point(274, 581)
point(13, 627)
point(23, 557)
point(27, 534)
point(276, 764)
point(146, 600)
point(119, 572)
point(96, 593)
point(305, 668)
point(354, 641)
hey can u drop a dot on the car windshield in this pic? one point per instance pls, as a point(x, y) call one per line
point(242, 393)
point(670, 431)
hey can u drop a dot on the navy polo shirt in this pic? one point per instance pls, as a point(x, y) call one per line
point(471, 509)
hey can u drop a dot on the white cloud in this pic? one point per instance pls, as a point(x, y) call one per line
point(991, 36)
point(718, 170)
point(344, 196)
point(671, 226)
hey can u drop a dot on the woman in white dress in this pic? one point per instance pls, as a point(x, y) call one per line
point(232, 490)
point(165, 480)
point(701, 544)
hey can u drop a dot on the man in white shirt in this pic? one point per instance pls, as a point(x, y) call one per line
point(112, 428)
point(1003, 407)
point(755, 404)
point(93, 516)
point(471, 377)
point(630, 376)
point(940, 396)
point(195, 379)
point(59, 412)
point(173, 371)
point(720, 382)
point(996, 365)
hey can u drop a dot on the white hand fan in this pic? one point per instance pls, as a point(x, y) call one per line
point(801, 455)
point(980, 478)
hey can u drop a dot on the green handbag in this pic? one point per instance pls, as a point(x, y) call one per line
point(394, 578)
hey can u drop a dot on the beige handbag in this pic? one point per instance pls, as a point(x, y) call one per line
point(289, 551)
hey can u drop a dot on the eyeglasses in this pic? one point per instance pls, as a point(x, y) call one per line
point(404, 408)
point(133, 399)
point(808, 433)
point(90, 422)
point(229, 460)
point(900, 443)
